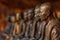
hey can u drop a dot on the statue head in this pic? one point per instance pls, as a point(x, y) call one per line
point(37, 11)
point(30, 14)
point(11, 18)
point(44, 10)
point(18, 16)
point(25, 15)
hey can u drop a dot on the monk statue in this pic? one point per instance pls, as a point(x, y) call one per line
point(54, 31)
point(7, 33)
point(20, 26)
point(45, 16)
point(25, 15)
point(49, 25)
point(37, 22)
point(30, 25)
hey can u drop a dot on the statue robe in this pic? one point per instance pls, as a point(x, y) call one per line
point(52, 31)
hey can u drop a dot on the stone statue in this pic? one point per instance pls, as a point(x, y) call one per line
point(7, 33)
point(20, 27)
point(44, 16)
point(37, 22)
point(49, 25)
point(25, 15)
point(31, 27)
point(53, 27)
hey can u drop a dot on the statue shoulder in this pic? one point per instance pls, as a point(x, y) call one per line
point(55, 33)
point(51, 27)
point(52, 23)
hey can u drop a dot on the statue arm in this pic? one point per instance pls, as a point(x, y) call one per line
point(55, 34)
point(23, 29)
point(6, 31)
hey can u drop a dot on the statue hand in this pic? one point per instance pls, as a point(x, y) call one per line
point(7, 37)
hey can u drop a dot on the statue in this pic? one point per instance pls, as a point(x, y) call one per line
point(44, 16)
point(37, 22)
point(25, 21)
point(31, 26)
point(49, 25)
point(20, 27)
point(7, 33)
point(53, 33)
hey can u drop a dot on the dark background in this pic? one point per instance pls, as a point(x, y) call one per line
point(23, 4)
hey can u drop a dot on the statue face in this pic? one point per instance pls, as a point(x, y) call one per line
point(25, 15)
point(37, 13)
point(44, 11)
point(30, 14)
point(18, 16)
point(13, 19)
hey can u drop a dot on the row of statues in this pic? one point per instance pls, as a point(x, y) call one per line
point(38, 23)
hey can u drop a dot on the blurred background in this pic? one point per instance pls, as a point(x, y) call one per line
point(12, 6)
